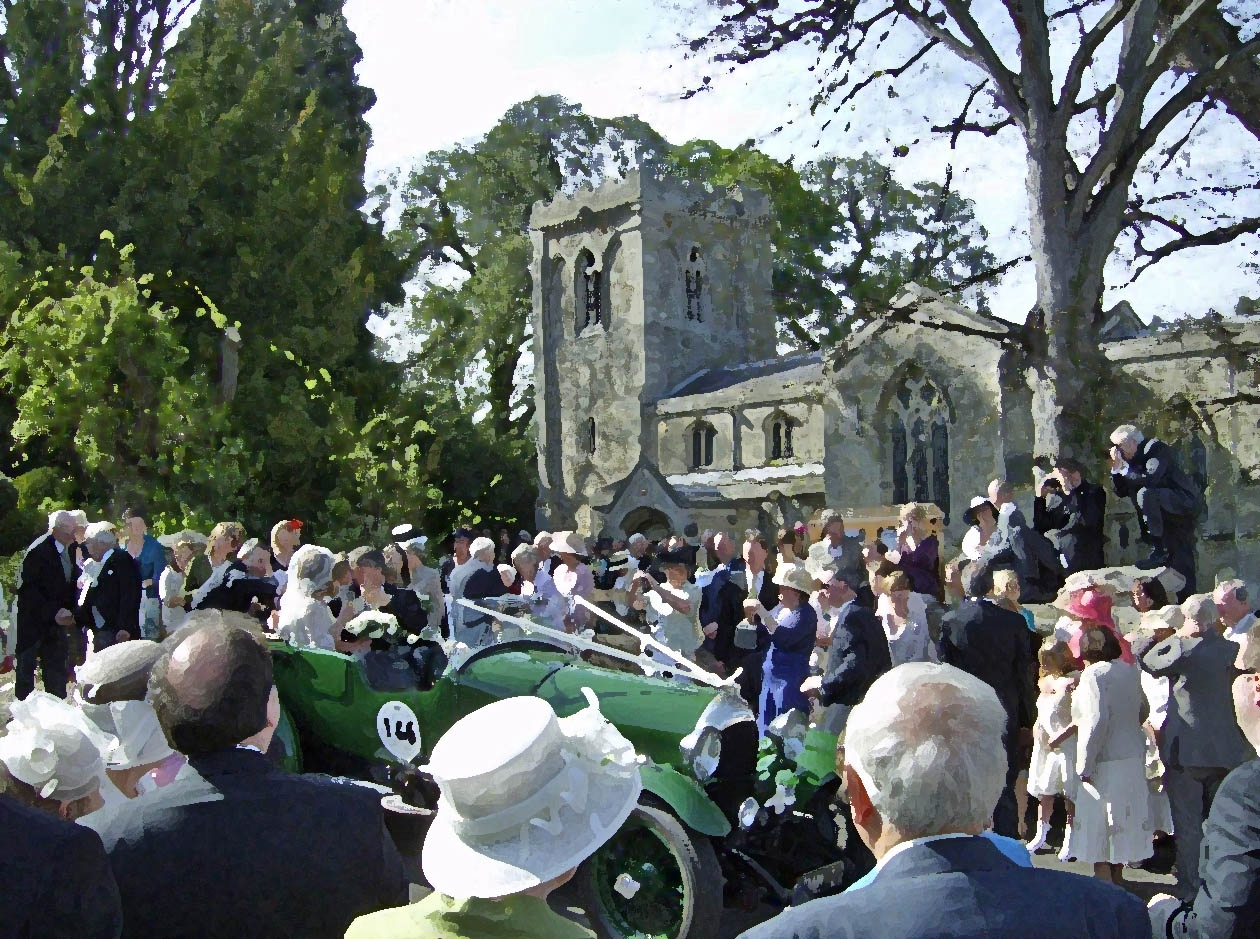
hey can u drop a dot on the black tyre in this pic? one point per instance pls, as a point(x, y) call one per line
point(679, 892)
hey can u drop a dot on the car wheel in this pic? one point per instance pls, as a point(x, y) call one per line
point(652, 879)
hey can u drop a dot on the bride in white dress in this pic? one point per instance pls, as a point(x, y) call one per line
point(304, 618)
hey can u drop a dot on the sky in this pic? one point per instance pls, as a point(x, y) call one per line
point(444, 71)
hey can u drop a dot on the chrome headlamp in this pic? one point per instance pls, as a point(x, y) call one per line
point(702, 748)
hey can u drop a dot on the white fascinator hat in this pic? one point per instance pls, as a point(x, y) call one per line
point(526, 796)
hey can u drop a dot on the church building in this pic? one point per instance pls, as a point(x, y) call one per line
point(662, 404)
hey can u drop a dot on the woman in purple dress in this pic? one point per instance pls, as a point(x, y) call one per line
point(788, 635)
point(918, 552)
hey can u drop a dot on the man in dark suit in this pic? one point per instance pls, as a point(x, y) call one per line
point(111, 604)
point(1227, 905)
point(55, 880)
point(858, 651)
point(1167, 500)
point(991, 643)
point(722, 604)
point(1200, 742)
point(1016, 545)
point(234, 846)
point(1070, 511)
point(923, 766)
point(403, 604)
point(45, 607)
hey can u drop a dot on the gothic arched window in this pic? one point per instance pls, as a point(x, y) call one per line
point(590, 436)
point(589, 284)
point(919, 426)
point(781, 430)
point(702, 437)
point(693, 285)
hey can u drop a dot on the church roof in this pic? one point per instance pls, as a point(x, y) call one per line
point(717, 379)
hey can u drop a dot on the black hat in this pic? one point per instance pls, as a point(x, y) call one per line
point(677, 556)
point(978, 502)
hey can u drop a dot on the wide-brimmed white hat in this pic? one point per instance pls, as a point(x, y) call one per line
point(795, 576)
point(141, 741)
point(568, 542)
point(193, 537)
point(54, 748)
point(526, 796)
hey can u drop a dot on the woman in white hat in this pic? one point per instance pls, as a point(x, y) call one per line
point(573, 576)
point(304, 618)
point(426, 582)
point(789, 631)
point(53, 758)
point(526, 798)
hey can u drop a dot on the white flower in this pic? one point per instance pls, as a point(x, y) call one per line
point(782, 798)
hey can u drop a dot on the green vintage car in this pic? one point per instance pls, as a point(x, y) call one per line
point(701, 837)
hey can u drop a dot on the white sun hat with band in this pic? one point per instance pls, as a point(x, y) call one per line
point(526, 796)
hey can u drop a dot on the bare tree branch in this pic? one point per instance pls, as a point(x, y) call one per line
point(1084, 55)
point(1217, 236)
point(985, 276)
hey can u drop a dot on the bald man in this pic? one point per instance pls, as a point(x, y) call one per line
point(235, 846)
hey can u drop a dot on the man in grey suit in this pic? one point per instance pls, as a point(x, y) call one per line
point(1200, 741)
point(923, 767)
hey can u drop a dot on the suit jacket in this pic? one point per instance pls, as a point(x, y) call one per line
point(234, 590)
point(1200, 729)
point(859, 654)
point(1078, 518)
point(55, 879)
point(115, 595)
point(965, 888)
point(1227, 905)
point(991, 643)
point(404, 603)
point(1015, 545)
point(43, 589)
point(1154, 466)
point(237, 847)
point(723, 603)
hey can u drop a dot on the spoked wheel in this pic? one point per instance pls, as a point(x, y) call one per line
point(653, 880)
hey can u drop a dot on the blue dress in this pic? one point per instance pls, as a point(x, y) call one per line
point(786, 664)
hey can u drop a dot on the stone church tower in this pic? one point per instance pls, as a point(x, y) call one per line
point(638, 286)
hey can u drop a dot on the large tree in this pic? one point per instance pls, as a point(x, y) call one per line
point(1107, 97)
point(232, 159)
point(847, 238)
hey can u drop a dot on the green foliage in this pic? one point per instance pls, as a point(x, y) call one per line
point(97, 364)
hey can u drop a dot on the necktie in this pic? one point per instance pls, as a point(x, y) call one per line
point(66, 564)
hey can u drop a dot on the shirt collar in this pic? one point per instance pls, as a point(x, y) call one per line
point(912, 843)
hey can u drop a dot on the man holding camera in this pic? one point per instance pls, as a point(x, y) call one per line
point(1167, 499)
point(1069, 510)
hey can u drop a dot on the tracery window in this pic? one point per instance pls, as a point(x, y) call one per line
point(590, 436)
point(919, 425)
point(702, 439)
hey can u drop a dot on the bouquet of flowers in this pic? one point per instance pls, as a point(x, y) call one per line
point(373, 624)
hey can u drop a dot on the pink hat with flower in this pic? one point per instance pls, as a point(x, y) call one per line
point(1091, 605)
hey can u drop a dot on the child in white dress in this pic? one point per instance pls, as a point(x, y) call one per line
point(1053, 769)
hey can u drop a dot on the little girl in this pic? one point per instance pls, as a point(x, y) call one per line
point(1053, 769)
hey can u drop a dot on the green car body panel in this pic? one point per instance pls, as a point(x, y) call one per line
point(325, 695)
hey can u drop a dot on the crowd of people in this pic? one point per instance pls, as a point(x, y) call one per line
point(963, 717)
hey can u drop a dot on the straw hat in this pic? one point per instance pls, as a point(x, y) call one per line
point(568, 542)
point(795, 576)
point(525, 796)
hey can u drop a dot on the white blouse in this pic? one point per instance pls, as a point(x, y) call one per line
point(679, 631)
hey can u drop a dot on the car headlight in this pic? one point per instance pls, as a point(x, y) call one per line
point(704, 754)
point(702, 748)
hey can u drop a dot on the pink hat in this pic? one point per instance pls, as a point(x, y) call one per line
point(1092, 605)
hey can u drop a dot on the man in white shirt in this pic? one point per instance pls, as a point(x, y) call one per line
point(1231, 602)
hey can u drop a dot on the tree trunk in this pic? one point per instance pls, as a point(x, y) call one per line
point(1064, 363)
